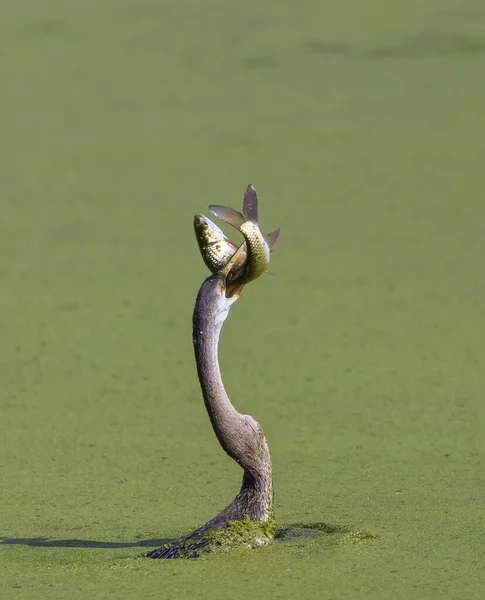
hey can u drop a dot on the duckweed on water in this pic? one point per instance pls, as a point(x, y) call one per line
point(377, 293)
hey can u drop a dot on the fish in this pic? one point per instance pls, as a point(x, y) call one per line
point(216, 249)
point(258, 246)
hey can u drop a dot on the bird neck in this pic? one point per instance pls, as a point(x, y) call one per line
point(240, 436)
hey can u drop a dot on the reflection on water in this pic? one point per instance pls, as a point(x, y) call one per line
point(45, 542)
point(296, 531)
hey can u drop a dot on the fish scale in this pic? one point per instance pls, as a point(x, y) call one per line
point(258, 246)
point(258, 252)
point(216, 249)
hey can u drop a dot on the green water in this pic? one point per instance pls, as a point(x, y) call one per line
point(361, 126)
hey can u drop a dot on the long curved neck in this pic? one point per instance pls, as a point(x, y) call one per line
point(239, 435)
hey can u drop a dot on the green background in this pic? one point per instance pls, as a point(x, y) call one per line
point(361, 126)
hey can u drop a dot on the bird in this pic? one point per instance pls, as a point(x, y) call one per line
point(249, 520)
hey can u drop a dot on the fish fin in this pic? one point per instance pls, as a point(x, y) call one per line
point(225, 271)
point(272, 237)
point(233, 289)
point(250, 204)
point(229, 215)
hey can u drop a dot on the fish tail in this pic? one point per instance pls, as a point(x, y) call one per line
point(232, 261)
point(250, 204)
point(229, 215)
point(272, 237)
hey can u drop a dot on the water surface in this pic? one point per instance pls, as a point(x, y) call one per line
point(361, 126)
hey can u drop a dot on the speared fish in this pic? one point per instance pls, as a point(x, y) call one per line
point(216, 249)
point(258, 246)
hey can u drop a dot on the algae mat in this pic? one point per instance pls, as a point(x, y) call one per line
point(361, 126)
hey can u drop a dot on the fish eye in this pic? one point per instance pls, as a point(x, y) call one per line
point(200, 222)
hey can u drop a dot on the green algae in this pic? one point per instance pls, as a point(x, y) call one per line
point(358, 536)
point(359, 125)
point(245, 533)
point(343, 534)
point(236, 534)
